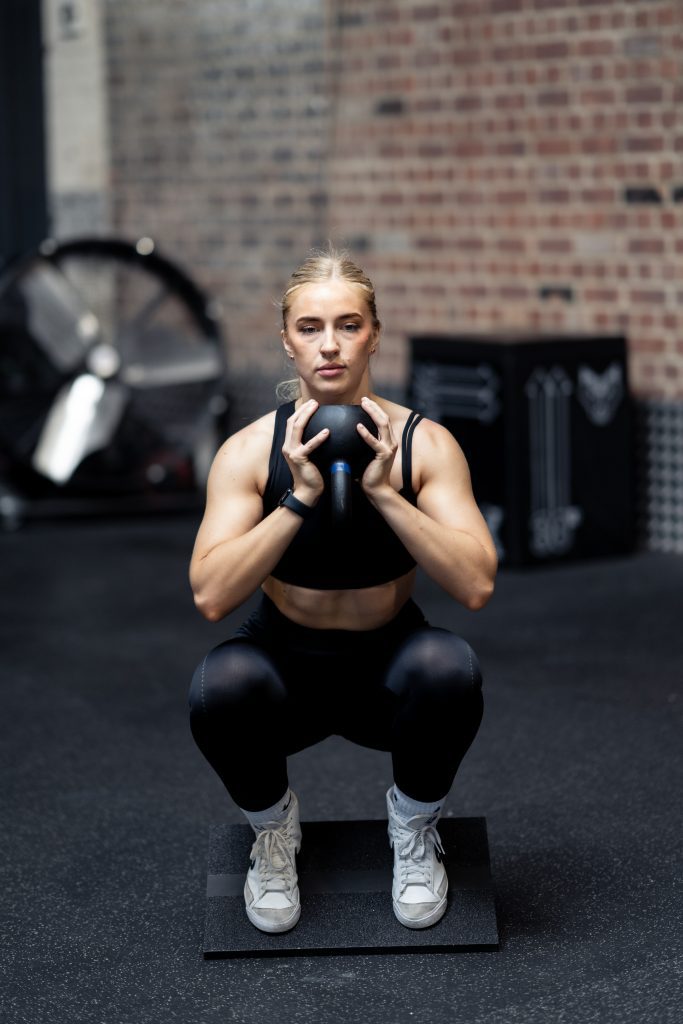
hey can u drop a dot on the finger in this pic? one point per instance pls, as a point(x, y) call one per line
point(316, 441)
point(376, 413)
point(298, 420)
point(303, 413)
point(306, 410)
point(372, 405)
point(367, 435)
point(300, 452)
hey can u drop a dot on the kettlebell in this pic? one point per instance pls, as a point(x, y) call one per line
point(344, 455)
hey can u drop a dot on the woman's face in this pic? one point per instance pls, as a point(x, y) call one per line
point(330, 336)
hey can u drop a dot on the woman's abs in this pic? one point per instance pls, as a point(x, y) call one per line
point(358, 610)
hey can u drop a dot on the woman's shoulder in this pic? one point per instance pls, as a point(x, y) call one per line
point(432, 444)
point(399, 415)
point(249, 447)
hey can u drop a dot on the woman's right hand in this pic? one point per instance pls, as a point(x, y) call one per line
point(308, 482)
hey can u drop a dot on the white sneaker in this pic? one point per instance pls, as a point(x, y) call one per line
point(271, 892)
point(420, 882)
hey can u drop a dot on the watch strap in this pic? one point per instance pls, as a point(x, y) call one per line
point(290, 501)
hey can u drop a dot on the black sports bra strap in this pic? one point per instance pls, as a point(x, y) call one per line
point(407, 451)
point(282, 414)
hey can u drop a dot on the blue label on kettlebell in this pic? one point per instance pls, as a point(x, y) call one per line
point(340, 467)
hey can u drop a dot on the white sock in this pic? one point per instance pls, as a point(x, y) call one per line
point(407, 808)
point(278, 812)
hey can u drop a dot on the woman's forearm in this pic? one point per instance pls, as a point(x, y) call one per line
point(223, 577)
point(453, 558)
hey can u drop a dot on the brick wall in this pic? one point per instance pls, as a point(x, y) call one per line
point(514, 164)
point(492, 163)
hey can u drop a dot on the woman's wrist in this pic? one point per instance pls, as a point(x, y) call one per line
point(308, 495)
point(380, 494)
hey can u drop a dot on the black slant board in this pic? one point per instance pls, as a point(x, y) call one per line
point(345, 876)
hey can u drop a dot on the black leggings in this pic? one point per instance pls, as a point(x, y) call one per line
point(275, 688)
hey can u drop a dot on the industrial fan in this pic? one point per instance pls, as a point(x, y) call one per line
point(113, 390)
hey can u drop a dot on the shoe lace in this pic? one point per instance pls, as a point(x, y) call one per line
point(414, 849)
point(274, 859)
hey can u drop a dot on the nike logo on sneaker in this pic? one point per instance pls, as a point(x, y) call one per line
point(252, 865)
point(288, 803)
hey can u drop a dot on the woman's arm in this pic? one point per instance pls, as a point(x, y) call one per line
point(446, 534)
point(236, 548)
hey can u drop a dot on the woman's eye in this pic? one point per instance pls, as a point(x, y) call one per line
point(308, 329)
point(351, 327)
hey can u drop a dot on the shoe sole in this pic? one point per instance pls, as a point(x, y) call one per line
point(424, 922)
point(273, 927)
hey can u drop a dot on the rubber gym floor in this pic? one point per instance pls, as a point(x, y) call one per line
point(106, 802)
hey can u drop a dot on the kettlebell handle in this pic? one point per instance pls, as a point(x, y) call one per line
point(340, 485)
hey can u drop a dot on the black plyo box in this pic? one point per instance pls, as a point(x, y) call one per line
point(546, 425)
point(345, 876)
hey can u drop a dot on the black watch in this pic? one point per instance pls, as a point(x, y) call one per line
point(290, 501)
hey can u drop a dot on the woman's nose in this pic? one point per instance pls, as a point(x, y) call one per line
point(329, 342)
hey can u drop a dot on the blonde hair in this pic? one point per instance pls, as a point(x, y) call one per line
point(324, 265)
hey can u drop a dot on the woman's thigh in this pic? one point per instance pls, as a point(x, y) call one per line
point(430, 675)
point(243, 689)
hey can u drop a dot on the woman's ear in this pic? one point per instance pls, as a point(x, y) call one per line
point(283, 335)
point(375, 340)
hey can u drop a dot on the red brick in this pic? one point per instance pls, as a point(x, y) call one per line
point(601, 196)
point(604, 97)
point(512, 245)
point(645, 94)
point(388, 61)
point(559, 245)
point(608, 295)
point(551, 51)
point(467, 102)
point(559, 98)
point(509, 101)
point(647, 296)
point(644, 144)
point(595, 48)
point(514, 293)
point(426, 12)
point(554, 196)
point(505, 6)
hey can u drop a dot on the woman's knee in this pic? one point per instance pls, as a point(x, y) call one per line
point(233, 675)
point(437, 664)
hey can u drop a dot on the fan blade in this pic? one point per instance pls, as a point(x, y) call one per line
point(83, 419)
point(150, 308)
point(57, 316)
point(182, 368)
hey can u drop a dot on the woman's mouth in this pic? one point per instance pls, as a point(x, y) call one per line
point(333, 370)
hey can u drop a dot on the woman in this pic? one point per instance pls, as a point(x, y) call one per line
point(337, 646)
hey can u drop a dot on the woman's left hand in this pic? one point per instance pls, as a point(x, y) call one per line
point(377, 474)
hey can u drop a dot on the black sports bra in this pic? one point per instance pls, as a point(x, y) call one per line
point(368, 554)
